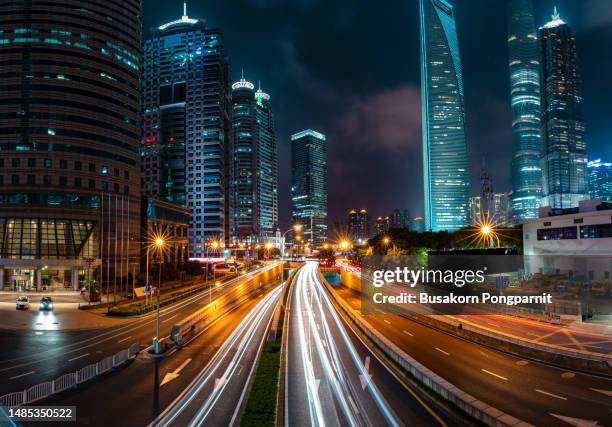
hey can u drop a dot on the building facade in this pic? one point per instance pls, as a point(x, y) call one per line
point(359, 224)
point(524, 63)
point(574, 242)
point(399, 218)
point(445, 162)
point(253, 164)
point(383, 224)
point(600, 180)
point(309, 184)
point(69, 134)
point(171, 222)
point(564, 160)
point(187, 118)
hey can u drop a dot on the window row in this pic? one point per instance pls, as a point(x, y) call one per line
point(63, 164)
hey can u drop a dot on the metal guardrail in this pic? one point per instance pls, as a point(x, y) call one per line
point(69, 380)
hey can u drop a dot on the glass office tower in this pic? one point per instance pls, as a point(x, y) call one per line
point(600, 180)
point(445, 163)
point(254, 167)
point(309, 184)
point(187, 112)
point(69, 135)
point(564, 161)
point(524, 63)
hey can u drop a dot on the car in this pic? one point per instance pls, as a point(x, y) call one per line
point(46, 304)
point(23, 303)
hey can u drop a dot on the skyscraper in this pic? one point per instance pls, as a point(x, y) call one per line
point(600, 180)
point(253, 163)
point(70, 129)
point(187, 114)
point(445, 163)
point(359, 223)
point(564, 158)
point(309, 184)
point(524, 63)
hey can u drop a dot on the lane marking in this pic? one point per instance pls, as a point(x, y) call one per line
point(550, 394)
point(125, 339)
point(387, 322)
point(442, 351)
point(606, 392)
point(522, 363)
point(78, 357)
point(408, 333)
point(568, 375)
point(169, 318)
point(22, 375)
point(494, 374)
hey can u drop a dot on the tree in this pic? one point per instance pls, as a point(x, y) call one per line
point(327, 257)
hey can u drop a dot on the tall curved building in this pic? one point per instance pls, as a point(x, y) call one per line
point(445, 163)
point(69, 137)
point(524, 63)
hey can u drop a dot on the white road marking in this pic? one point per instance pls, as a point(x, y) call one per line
point(578, 422)
point(125, 339)
point(606, 392)
point(387, 322)
point(494, 374)
point(442, 351)
point(22, 375)
point(169, 318)
point(551, 394)
point(78, 357)
point(408, 333)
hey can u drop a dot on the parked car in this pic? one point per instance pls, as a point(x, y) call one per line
point(23, 303)
point(46, 304)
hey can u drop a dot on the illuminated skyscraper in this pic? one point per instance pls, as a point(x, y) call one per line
point(564, 160)
point(309, 184)
point(445, 163)
point(600, 180)
point(524, 62)
point(253, 165)
point(359, 224)
point(187, 114)
point(70, 128)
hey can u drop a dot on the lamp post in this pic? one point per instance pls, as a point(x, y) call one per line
point(296, 228)
point(159, 244)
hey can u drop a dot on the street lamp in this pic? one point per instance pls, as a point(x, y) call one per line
point(386, 240)
point(159, 244)
point(296, 228)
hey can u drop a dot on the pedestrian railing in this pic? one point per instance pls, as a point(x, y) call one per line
point(69, 380)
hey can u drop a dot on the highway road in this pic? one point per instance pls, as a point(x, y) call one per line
point(31, 357)
point(534, 392)
point(204, 381)
point(332, 377)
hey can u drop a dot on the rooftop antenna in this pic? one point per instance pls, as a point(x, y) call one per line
point(555, 14)
point(242, 71)
point(259, 85)
point(184, 9)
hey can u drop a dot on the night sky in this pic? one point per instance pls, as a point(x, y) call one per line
point(350, 69)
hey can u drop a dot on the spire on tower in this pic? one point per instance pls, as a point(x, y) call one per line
point(184, 9)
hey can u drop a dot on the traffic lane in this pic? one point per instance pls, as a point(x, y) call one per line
point(93, 348)
point(127, 395)
point(367, 384)
point(528, 387)
point(395, 391)
point(545, 333)
point(219, 392)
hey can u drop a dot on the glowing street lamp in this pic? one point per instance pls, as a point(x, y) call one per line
point(159, 243)
point(386, 240)
point(344, 245)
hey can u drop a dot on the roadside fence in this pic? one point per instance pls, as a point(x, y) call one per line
point(69, 380)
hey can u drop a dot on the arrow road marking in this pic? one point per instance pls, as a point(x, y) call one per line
point(578, 422)
point(174, 374)
point(365, 378)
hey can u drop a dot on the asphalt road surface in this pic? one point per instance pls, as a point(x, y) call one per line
point(332, 378)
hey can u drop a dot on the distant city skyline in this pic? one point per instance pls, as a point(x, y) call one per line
point(320, 80)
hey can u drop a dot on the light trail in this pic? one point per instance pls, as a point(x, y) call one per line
point(312, 306)
point(240, 339)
